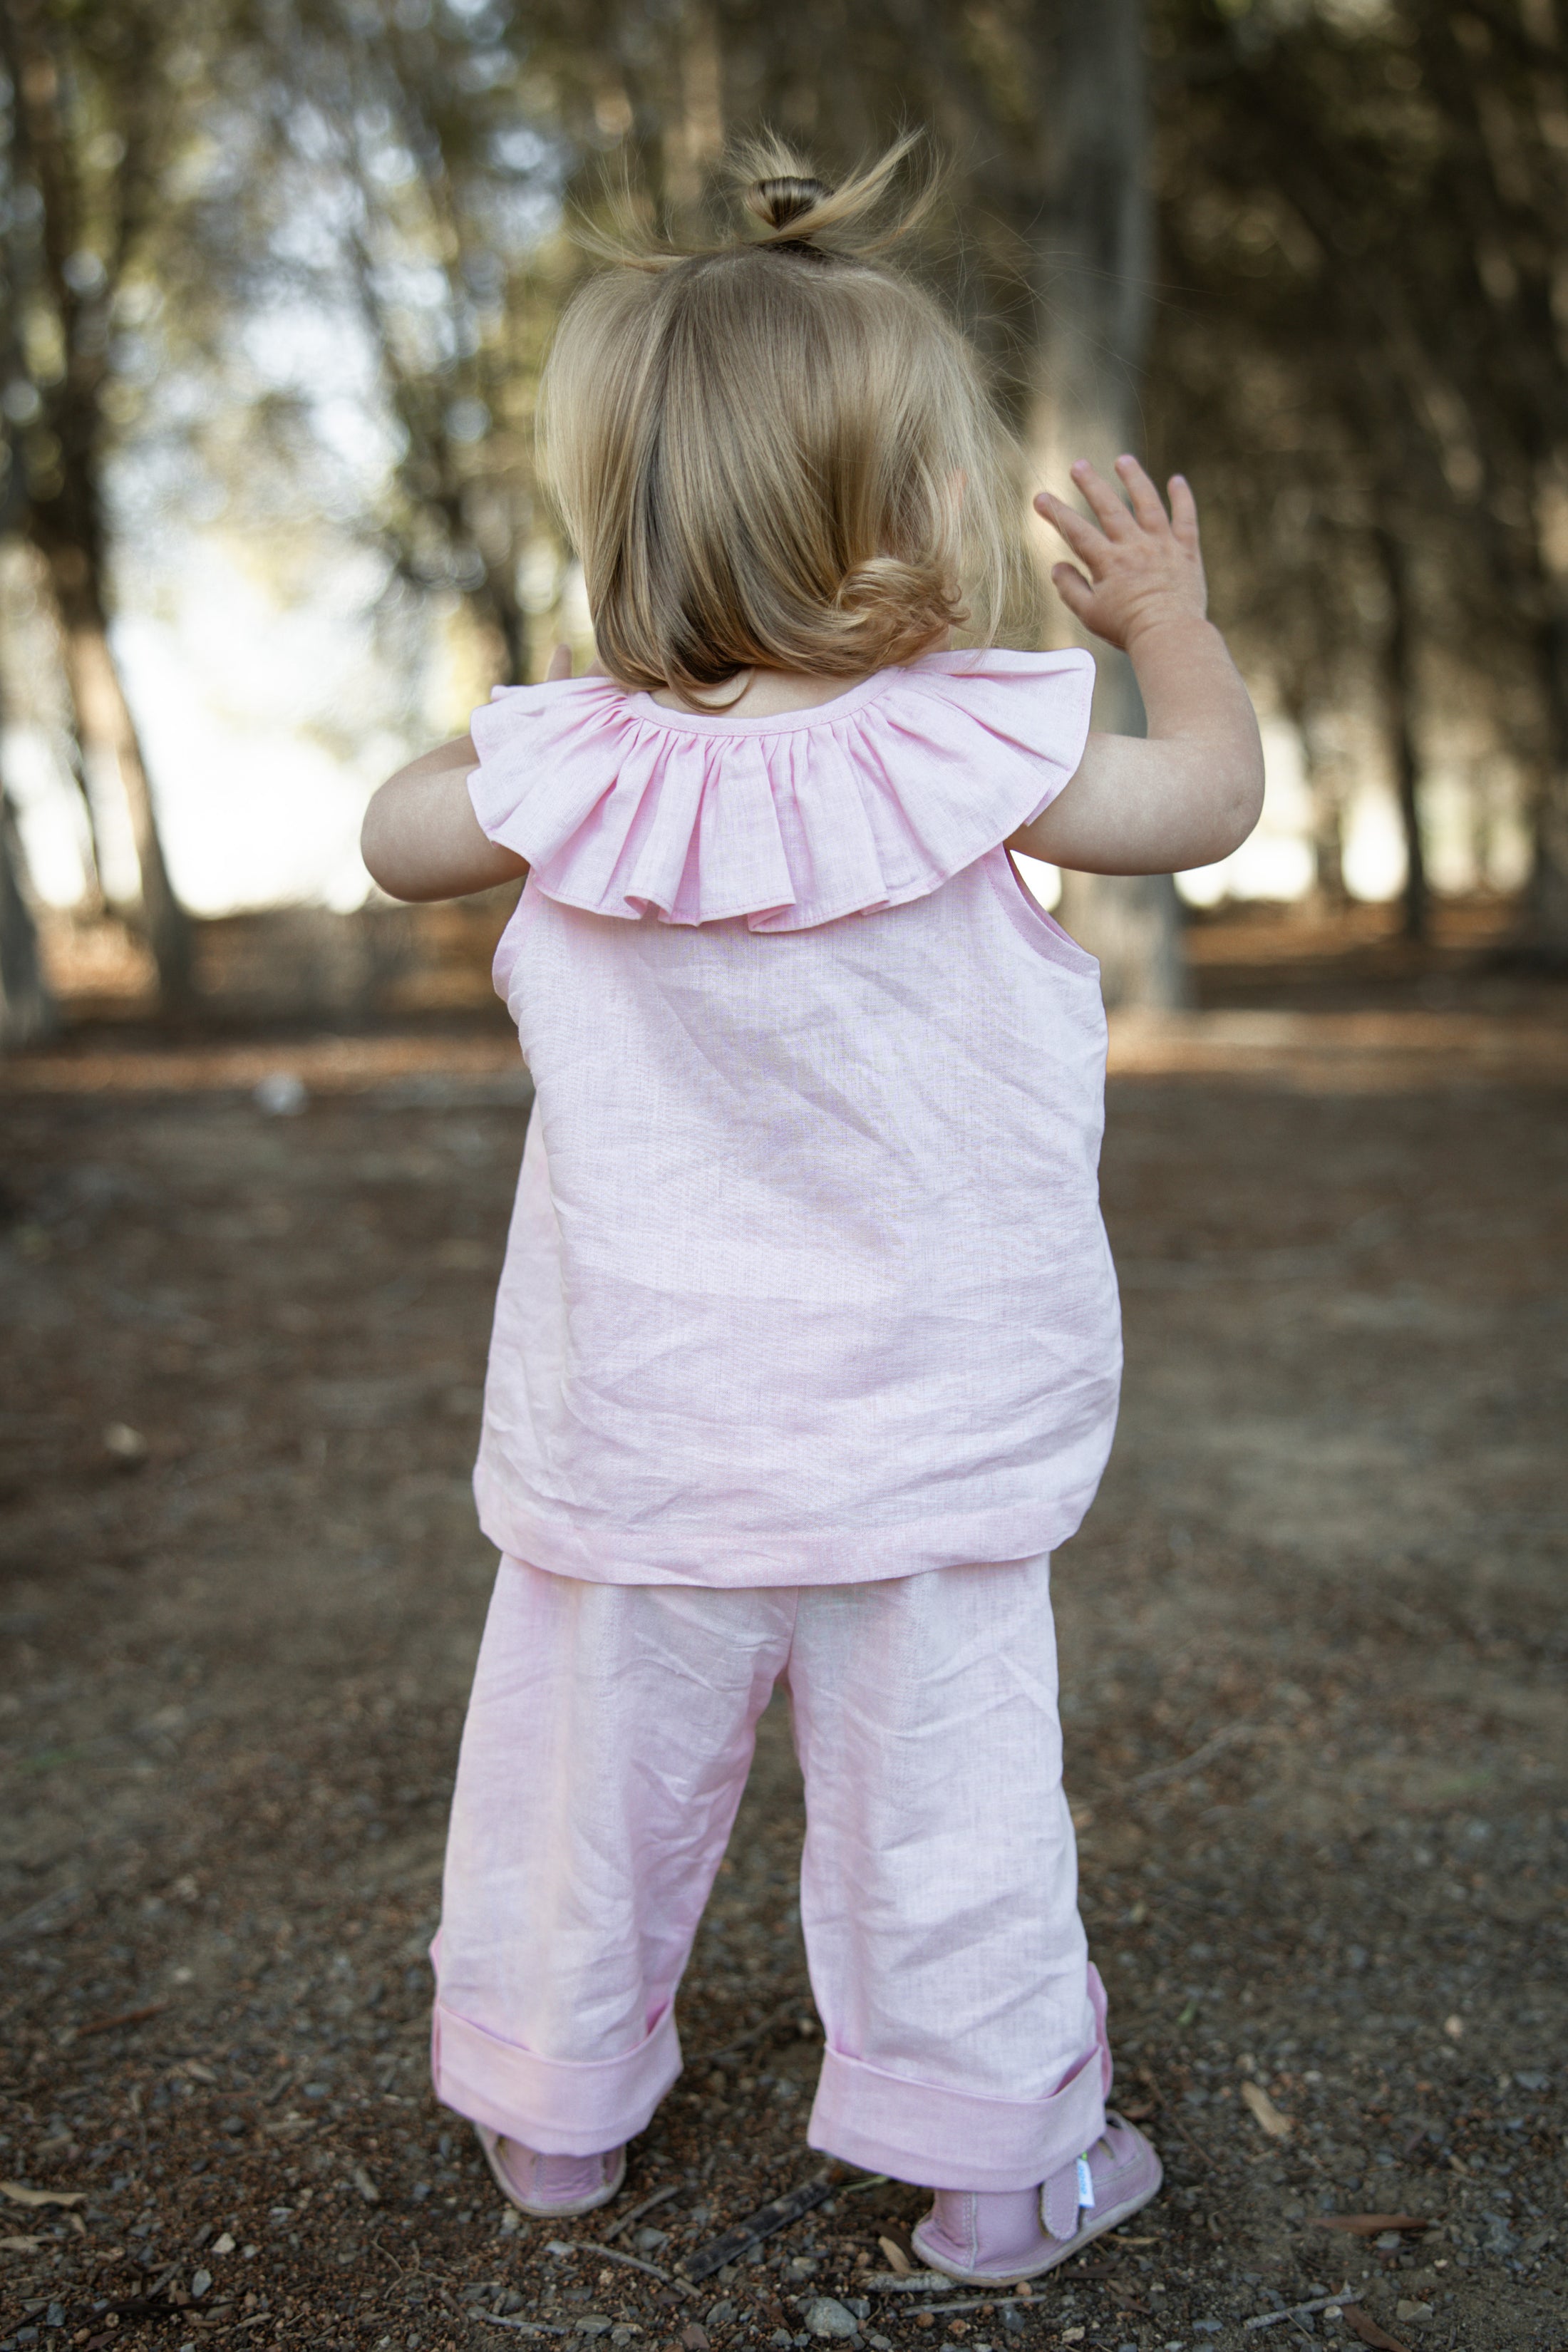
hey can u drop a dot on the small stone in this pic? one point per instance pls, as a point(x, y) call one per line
point(1405, 2310)
point(827, 2316)
point(223, 2245)
point(648, 2240)
point(1534, 2079)
point(280, 1095)
point(594, 2324)
point(200, 2284)
point(721, 2314)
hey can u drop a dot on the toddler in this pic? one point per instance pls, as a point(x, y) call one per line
point(806, 1350)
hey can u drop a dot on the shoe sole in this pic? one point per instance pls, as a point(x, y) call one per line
point(1106, 2218)
point(489, 2142)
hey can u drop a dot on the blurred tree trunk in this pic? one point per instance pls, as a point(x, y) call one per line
point(112, 751)
point(1400, 704)
point(1326, 789)
point(27, 1009)
point(71, 274)
point(693, 138)
point(1546, 904)
point(1090, 239)
point(1308, 699)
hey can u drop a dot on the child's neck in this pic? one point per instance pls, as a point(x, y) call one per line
point(767, 693)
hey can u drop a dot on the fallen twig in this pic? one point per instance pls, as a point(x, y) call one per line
point(1371, 2225)
point(521, 2326)
point(120, 2017)
point(1362, 2323)
point(633, 2262)
point(753, 2033)
point(1144, 2076)
point(660, 2197)
point(144, 2305)
point(41, 1918)
point(762, 2223)
point(1196, 1762)
point(1273, 2319)
point(986, 2301)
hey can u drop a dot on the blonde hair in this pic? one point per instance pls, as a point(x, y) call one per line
point(778, 454)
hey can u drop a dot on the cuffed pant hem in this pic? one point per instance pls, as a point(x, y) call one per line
point(952, 2139)
point(553, 2106)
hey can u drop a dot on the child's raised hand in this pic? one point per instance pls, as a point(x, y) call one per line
point(1144, 566)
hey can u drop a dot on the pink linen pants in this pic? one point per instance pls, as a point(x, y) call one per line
point(606, 1749)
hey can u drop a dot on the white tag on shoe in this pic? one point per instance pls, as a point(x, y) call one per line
point(1085, 2186)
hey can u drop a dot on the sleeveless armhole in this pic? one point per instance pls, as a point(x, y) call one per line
point(1035, 923)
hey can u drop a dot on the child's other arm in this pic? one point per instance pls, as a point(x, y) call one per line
point(420, 837)
point(1190, 789)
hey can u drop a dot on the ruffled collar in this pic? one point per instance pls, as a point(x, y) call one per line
point(624, 808)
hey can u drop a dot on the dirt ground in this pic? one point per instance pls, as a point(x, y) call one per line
point(1311, 1646)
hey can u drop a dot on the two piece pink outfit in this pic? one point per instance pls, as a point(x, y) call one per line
point(805, 1359)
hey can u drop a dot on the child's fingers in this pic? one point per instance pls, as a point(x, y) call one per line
point(1104, 501)
point(1146, 502)
point(1076, 593)
point(560, 664)
point(1183, 513)
point(1081, 535)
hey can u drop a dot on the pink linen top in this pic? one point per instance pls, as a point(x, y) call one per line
point(806, 1281)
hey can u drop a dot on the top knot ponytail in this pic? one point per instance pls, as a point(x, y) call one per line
point(795, 210)
point(780, 201)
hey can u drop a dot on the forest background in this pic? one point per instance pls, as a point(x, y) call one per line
point(277, 278)
point(280, 276)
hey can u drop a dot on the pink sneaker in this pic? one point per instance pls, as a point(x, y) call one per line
point(552, 2187)
point(990, 2238)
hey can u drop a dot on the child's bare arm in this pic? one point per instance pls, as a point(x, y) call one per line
point(1190, 789)
point(420, 837)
